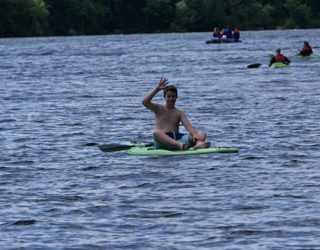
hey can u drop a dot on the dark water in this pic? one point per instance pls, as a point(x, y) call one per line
point(57, 94)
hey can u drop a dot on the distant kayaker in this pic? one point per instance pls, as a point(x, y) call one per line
point(278, 57)
point(168, 118)
point(236, 34)
point(216, 33)
point(306, 50)
point(227, 32)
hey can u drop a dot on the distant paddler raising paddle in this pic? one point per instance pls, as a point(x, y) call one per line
point(168, 118)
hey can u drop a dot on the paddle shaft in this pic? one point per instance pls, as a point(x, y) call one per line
point(119, 147)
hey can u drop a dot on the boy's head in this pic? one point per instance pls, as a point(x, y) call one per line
point(170, 88)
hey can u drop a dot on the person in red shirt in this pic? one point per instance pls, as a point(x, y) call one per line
point(306, 50)
point(278, 57)
point(236, 34)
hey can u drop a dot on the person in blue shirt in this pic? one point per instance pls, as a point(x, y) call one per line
point(227, 32)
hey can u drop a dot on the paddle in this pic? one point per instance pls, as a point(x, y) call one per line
point(254, 65)
point(119, 147)
point(90, 144)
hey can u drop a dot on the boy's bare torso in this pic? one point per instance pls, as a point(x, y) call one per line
point(167, 119)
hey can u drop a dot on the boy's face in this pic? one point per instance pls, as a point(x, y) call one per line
point(170, 98)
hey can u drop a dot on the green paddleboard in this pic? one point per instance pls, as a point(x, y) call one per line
point(279, 65)
point(312, 56)
point(151, 151)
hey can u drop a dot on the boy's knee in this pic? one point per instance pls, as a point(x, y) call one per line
point(203, 135)
point(155, 134)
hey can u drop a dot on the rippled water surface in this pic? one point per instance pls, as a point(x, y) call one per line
point(60, 93)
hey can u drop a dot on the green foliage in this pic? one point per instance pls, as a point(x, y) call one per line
point(299, 14)
point(129, 15)
point(82, 17)
point(22, 18)
point(213, 14)
point(158, 15)
point(76, 17)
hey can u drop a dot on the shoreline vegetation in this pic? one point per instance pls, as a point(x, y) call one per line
point(30, 18)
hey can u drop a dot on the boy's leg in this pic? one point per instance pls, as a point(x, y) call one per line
point(201, 143)
point(166, 140)
point(202, 138)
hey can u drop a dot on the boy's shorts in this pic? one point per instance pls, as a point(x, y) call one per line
point(184, 138)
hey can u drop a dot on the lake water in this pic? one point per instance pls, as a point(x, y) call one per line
point(58, 94)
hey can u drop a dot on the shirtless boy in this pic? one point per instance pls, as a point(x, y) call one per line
point(168, 117)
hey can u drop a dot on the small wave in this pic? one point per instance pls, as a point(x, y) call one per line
point(157, 214)
point(7, 120)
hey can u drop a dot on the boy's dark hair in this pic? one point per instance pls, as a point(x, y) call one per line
point(170, 88)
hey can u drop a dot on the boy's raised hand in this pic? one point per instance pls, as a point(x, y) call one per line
point(162, 83)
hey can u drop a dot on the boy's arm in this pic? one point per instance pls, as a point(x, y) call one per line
point(189, 127)
point(147, 100)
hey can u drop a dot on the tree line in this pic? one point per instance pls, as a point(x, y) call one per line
point(93, 17)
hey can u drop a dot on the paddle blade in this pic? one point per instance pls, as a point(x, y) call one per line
point(254, 65)
point(114, 147)
point(90, 144)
